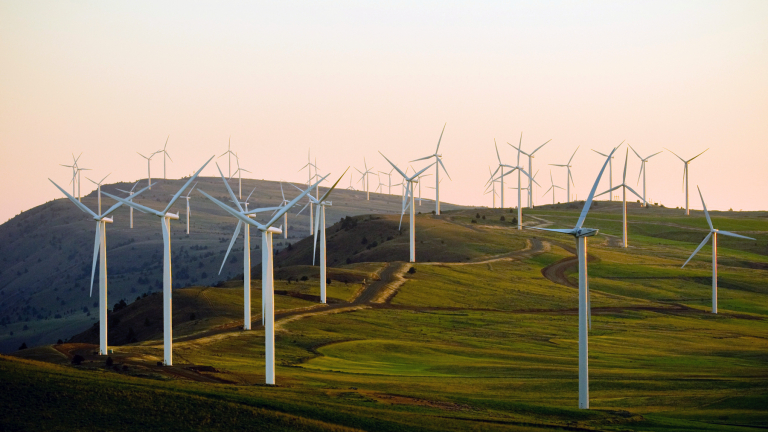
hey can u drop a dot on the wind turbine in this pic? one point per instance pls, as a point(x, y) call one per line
point(186, 197)
point(267, 275)
point(501, 176)
point(230, 153)
point(100, 252)
point(389, 176)
point(320, 229)
point(552, 188)
point(309, 167)
point(624, 188)
point(419, 181)
point(165, 222)
point(285, 215)
point(98, 188)
point(239, 172)
point(149, 173)
point(610, 170)
point(165, 153)
point(130, 193)
point(642, 171)
point(685, 175)
point(366, 176)
point(520, 171)
point(352, 188)
point(491, 187)
point(712, 233)
point(581, 235)
point(438, 164)
point(569, 178)
point(75, 171)
point(530, 169)
point(408, 196)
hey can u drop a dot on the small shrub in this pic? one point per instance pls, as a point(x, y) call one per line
point(483, 217)
point(474, 221)
point(59, 342)
point(23, 346)
point(77, 359)
point(365, 240)
point(477, 216)
point(109, 361)
point(412, 270)
point(328, 281)
point(304, 278)
point(502, 218)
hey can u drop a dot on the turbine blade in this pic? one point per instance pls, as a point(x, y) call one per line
point(80, 205)
point(96, 246)
point(416, 160)
point(317, 227)
point(706, 213)
point(293, 202)
point(703, 242)
point(654, 155)
point(334, 186)
point(118, 204)
point(232, 242)
point(633, 191)
point(640, 174)
point(730, 234)
point(232, 195)
point(424, 169)
point(588, 203)
point(233, 212)
point(574, 154)
point(537, 148)
point(635, 152)
point(446, 171)
point(697, 155)
point(302, 209)
point(675, 154)
point(562, 231)
point(626, 159)
point(191, 179)
point(497, 150)
point(441, 138)
point(394, 166)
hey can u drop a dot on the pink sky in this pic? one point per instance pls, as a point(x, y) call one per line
point(350, 79)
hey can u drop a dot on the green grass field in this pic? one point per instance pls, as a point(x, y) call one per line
point(489, 343)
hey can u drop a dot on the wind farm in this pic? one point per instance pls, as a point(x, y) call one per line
point(406, 292)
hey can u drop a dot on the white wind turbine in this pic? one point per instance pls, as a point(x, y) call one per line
point(246, 251)
point(165, 222)
point(712, 233)
point(75, 171)
point(165, 153)
point(186, 197)
point(685, 175)
point(624, 188)
point(267, 274)
point(366, 179)
point(610, 169)
point(419, 181)
point(149, 163)
point(530, 169)
point(501, 175)
point(642, 171)
point(229, 158)
point(569, 178)
point(310, 176)
point(352, 188)
point(491, 187)
point(389, 177)
point(98, 189)
point(239, 171)
point(520, 171)
point(408, 196)
point(130, 193)
point(552, 188)
point(320, 229)
point(285, 215)
point(100, 252)
point(581, 235)
point(438, 164)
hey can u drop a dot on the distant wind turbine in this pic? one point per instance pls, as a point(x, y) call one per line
point(712, 233)
point(165, 154)
point(149, 172)
point(165, 222)
point(229, 158)
point(642, 171)
point(130, 193)
point(624, 188)
point(569, 178)
point(685, 175)
point(552, 188)
point(520, 171)
point(438, 163)
point(239, 171)
point(366, 175)
point(530, 169)
point(610, 170)
point(581, 235)
point(310, 176)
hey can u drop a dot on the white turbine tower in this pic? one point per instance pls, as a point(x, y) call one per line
point(285, 215)
point(239, 171)
point(310, 176)
point(130, 193)
point(267, 275)
point(320, 229)
point(491, 187)
point(685, 175)
point(712, 233)
point(149, 164)
point(552, 188)
point(501, 175)
point(408, 196)
point(75, 171)
point(581, 235)
point(569, 178)
point(165, 154)
point(438, 164)
point(642, 171)
point(100, 252)
point(624, 188)
point(530, 169)
point(366, 179)
point(229, 158)
point(186, 197)
point(389, 177)
point(610, 169)
point(165, 222)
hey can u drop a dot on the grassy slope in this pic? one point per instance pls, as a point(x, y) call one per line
point(482, 346)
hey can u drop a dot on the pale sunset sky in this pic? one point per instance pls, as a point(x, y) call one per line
point(348, 79)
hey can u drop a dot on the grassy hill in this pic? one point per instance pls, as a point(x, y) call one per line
point(47, 251)
point(480, 335)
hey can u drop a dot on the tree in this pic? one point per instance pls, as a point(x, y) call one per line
point(502, 218)
point(412, 270)
point(109, 362)
point(77, 359)
point(59, 342)
point(23, 346)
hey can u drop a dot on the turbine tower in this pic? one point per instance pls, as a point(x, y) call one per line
point(310, 176)
point(165, 222)
point(285, 215)
point(685, 175)
point(165, 154)
point(98, 188)
point(520, 171)
point(239, 171)
point(610, 170)
point(149, 163)
point(75, 171)
point(581, 235)
point(408, 196)
point(229, 158)
point(624, 188)
point(130, 193)
point(553, 187)
point(267, 275)
point(100, 253)
point(569, 178)
point(186, 197)
point(530, 169)
point(642, 171)
point(438, 164)
point(712, 233)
